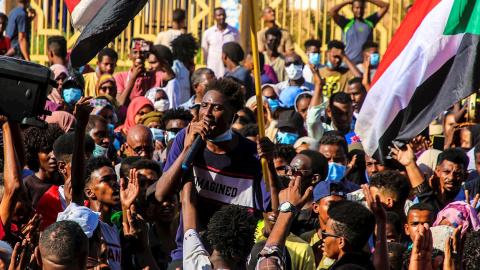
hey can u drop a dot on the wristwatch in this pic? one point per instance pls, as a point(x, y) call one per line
point(286, 207)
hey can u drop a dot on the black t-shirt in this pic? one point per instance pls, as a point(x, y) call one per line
point(36, 188)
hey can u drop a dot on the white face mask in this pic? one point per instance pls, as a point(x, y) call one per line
point(294, 72)
point(161, 105)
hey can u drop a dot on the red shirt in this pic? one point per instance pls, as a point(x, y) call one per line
point(4, 45)
point(142, 84)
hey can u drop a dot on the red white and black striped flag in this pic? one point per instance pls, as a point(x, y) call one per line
point(432, 62)
point(100, 21)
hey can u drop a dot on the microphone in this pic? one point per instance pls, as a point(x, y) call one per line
point(197, 144)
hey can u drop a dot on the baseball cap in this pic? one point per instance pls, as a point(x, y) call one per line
point(289, 94)
point(324, 189)
point(312, 143)
point(290, 119)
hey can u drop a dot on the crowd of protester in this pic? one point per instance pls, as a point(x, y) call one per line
point(104, 186)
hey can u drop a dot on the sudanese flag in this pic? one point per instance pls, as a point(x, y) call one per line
point(100, 21)
point(432, 62)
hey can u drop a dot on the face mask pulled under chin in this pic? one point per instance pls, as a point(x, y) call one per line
point(335, 172)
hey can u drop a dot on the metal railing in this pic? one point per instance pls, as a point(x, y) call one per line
point(304, 23)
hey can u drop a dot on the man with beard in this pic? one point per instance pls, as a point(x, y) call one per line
point(444, 185)
point(138, 80)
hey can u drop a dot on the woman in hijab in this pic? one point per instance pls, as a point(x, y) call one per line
point(104, 109)
point(64, 119)
point(159, 98)
point(136, 110)
point(106, 86)
point(456, 214)
point(61, 73)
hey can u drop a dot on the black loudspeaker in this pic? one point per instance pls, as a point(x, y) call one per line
point(24, 87)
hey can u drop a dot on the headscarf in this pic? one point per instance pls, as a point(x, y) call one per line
point(460, 213)
point(62, 118)
point(301, 94)
point(427, 162)
point(135, 106)
point(152, 93)
point(104, 79)
point(99, 104)
point(153, 116)
point(274, 87)
point(57, 69)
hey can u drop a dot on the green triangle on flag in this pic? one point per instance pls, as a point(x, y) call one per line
point(464, 18)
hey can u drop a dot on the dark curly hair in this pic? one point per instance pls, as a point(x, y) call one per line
point(229, 89)
point(471, 251)
point(184, 47)
point(356, 228)
point(94, 164)
point(313, 42)
point(285, 151)
point(249, 130)
point(395, 254)
point(454, 155)
point(177, 113)
point(37, 141)
point(393, 183)
point(64, 145)
point(231, 232)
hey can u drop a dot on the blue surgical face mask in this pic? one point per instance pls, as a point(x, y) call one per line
point(286, 138)
point(314, 58)
point(329, 64)
point(72, 95)
point(335, 171)
point(274, 103)
point(170, 136)
point(374, 59)
point(226, 136)
point(158, 134)
point(99, 151)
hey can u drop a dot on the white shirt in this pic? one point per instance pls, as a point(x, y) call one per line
point(183, 79)
point(173, 92)
point(195, 256)
point(114, 248)
point(165, 38)
point(212, 43)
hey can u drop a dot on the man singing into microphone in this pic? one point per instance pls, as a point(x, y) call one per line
point(227, 170)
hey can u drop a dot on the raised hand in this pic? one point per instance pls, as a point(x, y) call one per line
point(129, 190)
point(422, 251)
point(83, 109)
point(454, 250)
point(136, 227)
point(21, 255)
point(265, 148)
point(475, 199)
point(293, 193)
point(404, 156)
point(374, 204)
point(31, 229)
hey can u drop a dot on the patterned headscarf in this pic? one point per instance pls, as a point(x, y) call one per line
point(99, 104)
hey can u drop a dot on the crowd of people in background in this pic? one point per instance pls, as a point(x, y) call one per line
point(104, 186)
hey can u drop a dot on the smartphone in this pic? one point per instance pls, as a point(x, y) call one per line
point(438, 142)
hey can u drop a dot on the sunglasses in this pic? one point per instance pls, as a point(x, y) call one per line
point(142, 149)
point(325, 235)
point(294, 170)
point(287, 64)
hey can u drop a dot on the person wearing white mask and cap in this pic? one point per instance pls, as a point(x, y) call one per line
point(159, 98)
point(294, 72)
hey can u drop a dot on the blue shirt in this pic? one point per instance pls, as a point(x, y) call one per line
point(243, 75)
point(18, 22)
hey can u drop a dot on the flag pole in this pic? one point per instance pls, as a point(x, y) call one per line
point(258, 91)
